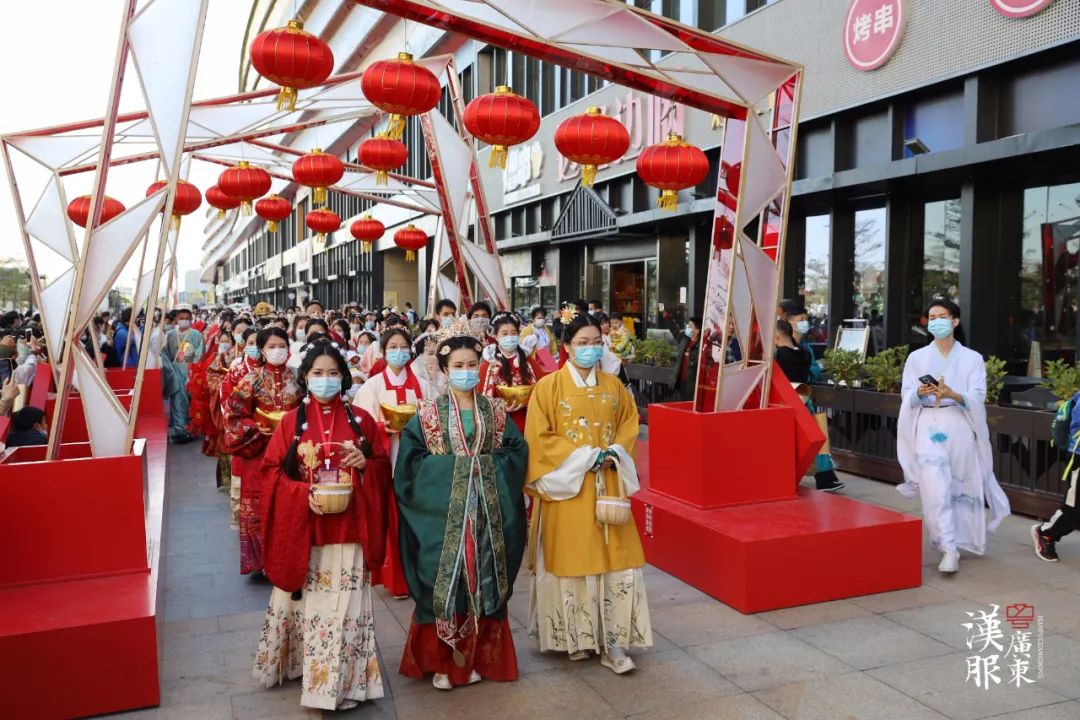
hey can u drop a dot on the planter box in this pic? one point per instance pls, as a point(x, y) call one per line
point(831, 396)
point(876, 403)
point(651, 373)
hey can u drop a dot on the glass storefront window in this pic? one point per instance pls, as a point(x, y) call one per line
point(1049, 275)
point(815, 284)
point(941, 251)
point(869, 290)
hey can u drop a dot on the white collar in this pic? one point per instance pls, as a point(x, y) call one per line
point(397, 378)
point(588, 381)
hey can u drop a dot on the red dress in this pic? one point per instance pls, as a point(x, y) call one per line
point(491, 377)
point(290, 529)
point(270, 389)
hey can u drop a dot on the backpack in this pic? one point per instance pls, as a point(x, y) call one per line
point(1059, 428)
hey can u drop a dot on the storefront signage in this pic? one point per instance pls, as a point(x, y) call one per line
point(1020, 8)
point(524, 165)
point(872, 32)
point(647, 118)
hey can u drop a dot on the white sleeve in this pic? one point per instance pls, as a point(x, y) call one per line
point(528, 343)
point(610, 362)
point(627, 469)
point(564, 482)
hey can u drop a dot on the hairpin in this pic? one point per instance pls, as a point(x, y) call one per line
point(568, 313)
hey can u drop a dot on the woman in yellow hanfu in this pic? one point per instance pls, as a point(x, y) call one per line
point(588, 592)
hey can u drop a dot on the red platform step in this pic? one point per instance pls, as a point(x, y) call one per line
point(721, 510)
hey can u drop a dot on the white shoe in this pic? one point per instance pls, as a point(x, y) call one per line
point(616, 660)
point(579, 655)
point(441, 682)
point(950, 561)
point(474, 678)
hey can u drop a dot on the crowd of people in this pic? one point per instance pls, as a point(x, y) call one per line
point(434, 456)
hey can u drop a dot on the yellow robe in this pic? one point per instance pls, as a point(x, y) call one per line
point(563, 417)
point(553, 344)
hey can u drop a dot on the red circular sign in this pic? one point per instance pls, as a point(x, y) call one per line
point(1019, 8)
point(872, 32)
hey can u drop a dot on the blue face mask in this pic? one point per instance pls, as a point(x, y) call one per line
point(446, 320)
point(940, 328)
point(252, 352)
point(509, 343)
point(324, 388)
point(588, 356)
point(464, 380)
point(398, 357)
point(370, 325)
point(802, 327)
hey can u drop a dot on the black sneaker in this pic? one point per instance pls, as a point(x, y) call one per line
point(827, 481)
point(1044, 545)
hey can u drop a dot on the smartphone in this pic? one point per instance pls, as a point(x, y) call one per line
point(7, 367)
point(928, 380)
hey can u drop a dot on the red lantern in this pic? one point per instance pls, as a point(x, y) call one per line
point(671, 166)
point(382, 155)
point(410, 239)
point(400, 87)
point(221, 201)
point(318, 171)
point(79, 209)
point(293, 59)
point(501, 119)
point(367, 230)
point(590, 140)
point(187, 200)
point(323, 221)
point(273, 209)
point(245, 183)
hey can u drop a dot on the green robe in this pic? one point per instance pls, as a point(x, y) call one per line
point(438, 485)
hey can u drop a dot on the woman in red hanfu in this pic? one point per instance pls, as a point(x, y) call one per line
point(320, 624)
point(252, 411)
point(396, 385)
point(247, 358)
point(508, 366)
point(204, 382)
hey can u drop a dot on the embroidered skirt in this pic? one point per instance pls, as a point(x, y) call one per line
point(489, 651)
point(327, 637)
point(234, 493)
point(571, 614)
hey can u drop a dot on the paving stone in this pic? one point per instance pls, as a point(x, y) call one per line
point(733, 707)
point(1061, 711)
point(939, 683)
point(252, 620)
point(660, 680)
point(1061, 665)
point(188, 628)
point(764, 661)
point(845, 696)
point(941, 622)
point(796, 617)
point(705, 622)
point(870, 642)
point(667, 590)
point(904, 599)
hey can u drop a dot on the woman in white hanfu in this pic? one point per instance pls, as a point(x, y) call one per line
point(943, 441)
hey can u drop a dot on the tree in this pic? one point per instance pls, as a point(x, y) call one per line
point(14, 284)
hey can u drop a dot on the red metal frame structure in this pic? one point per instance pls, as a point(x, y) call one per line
point(606, 38)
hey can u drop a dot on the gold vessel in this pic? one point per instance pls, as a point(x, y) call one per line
point(519, 394)
point(397, 416)
point(268, 418)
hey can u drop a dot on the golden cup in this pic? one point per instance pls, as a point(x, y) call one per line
point(268, 419)
point(516, 395)
point(397, 416)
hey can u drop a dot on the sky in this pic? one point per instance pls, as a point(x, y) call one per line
point(63, 71)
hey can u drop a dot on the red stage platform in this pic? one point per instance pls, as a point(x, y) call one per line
point(728, 518)
point(80, 589)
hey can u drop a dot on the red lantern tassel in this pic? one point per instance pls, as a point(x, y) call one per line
point(365, 247)
point(382, 177)
point(245, 207)
point(668, 200)
point(410, 256)
point(588, 175)
point(220, 214)
point(318, 196)
point(176, 223)
point(272, 226)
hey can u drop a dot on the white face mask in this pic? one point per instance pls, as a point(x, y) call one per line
point(224, 347)
point(276, 356)
point(540, 322)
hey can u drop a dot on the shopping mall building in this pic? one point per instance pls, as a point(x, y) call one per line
point(950, 168)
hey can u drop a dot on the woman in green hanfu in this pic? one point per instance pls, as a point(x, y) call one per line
point(458, 480)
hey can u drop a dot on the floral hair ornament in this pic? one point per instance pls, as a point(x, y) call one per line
point(460, 327)
point(568, 313)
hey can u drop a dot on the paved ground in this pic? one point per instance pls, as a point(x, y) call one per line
point(892, 656)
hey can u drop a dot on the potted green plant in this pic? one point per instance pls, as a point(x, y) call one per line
point(1062, 379)
point(654, 361)
point(844, 366)
point(885, 371)
point(995, 379)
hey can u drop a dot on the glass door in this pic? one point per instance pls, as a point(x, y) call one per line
point(627, 298)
